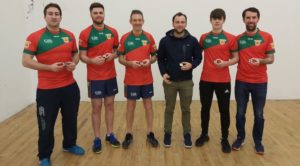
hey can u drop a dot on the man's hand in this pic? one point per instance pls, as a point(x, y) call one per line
point(220, 63)
point(135, 64)
point(56, 67)
point(166, 78)
point(70, 66)
point(109, 56)
point(185, 66)
point(98, 60)
point(254, 61)
point(145, 63)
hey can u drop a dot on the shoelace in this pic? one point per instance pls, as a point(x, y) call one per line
point(97, 142)
point(112, 138)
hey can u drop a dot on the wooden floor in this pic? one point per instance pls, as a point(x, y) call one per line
point(18, 139)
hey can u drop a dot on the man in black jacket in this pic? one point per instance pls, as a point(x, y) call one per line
point(178, 54)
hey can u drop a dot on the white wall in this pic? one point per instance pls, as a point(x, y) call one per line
point(17, 84)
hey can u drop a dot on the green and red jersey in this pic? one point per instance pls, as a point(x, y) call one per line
point(217, 46)
point(137, 48)
point(48, 48)
point(98, 42)
point(258, 45)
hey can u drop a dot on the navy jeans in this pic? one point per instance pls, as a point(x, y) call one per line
point(258, 93)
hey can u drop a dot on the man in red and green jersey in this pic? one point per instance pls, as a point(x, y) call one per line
point(97, 44)
point(220, 51)
point(137, 51)
point(256, 50)
point(56, 56)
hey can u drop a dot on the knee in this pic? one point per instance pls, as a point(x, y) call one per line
point(259, 116)
point(186, 111)
point(148, 107)
point(240, 114)
point(96, 109)
point(109, 106)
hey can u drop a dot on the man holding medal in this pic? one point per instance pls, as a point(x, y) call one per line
point(178, 54)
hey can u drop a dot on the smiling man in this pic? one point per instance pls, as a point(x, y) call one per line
point(178, 54)
point(97, 44)
point(56, 57)
point(137, 51)
point(256, 50)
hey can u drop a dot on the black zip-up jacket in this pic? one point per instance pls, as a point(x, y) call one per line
point(172, 51)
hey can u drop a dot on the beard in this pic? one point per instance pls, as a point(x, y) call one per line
point(98, 22)
point(179, 32)
point(251, 27)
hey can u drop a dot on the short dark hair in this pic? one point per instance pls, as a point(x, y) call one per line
point(251, 9)
point(179, 14)
point(55, 5)
point(136, 11)
point(96, 5)
point(218, 13)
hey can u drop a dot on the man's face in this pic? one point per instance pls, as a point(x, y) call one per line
point(97, 15)
point(137, 22)
point(251, 19)
point(52, 17)
point(179, 24)
point(217, 23)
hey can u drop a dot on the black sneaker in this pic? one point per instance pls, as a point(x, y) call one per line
point(187, 140)
point(127, 141)
point(167, 140)
point(259, 148)
point(226, 148)
point(201, 140)
point(237, 144)
point(112, 140)
point(152, 140)
point(97, 146)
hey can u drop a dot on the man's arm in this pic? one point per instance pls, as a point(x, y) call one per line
point(98, 60)
point(162, 58)
point(268, 60)
point(70, 66)
point(197, 55)
point(29, 62)
point(233, 60)
point(133, 64)
point(257, 61)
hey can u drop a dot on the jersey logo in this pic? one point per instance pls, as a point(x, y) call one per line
point(242, 42)
point(208, 40)
point(108, 36)
point(48, 41)
point(27, 44)
point(66, 39)
point(222, 41)
point(144, 42)
point(257, 42)
point(130, 43)
point(94, 38)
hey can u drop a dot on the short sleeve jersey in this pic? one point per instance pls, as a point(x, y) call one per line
point(217, 46)
point(258, 45)
point(48, 48)
point(98, 42)
point(137, 48)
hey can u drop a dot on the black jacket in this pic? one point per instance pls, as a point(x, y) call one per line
point(172, 51)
